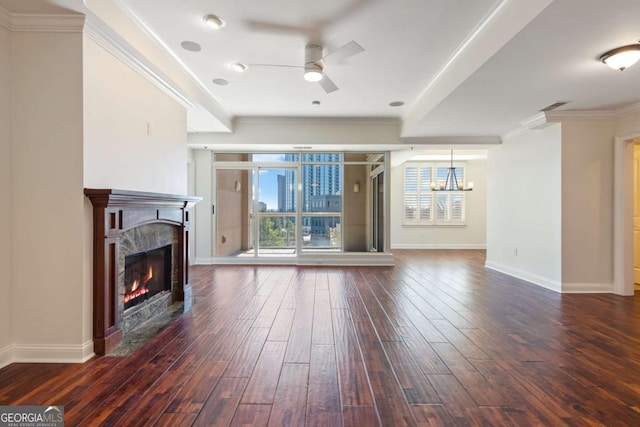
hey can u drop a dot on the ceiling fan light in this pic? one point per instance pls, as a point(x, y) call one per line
point(622, 57)
point(312, 75)
point(214, 21)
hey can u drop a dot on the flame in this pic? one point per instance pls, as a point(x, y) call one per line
point(148, 277)
point(139, 288)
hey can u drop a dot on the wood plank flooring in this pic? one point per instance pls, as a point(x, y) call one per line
point(437, 340)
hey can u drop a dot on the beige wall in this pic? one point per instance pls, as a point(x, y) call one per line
point(355, 209)
point(587, 203)
point(47, 203)
point(229, 213)
point(6, 336)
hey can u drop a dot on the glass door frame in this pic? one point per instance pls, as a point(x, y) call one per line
point(254, 170)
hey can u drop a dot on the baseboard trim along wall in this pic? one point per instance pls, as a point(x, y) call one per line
point(524, 275)
point(587, 288)
point(438, 246)
point(6, 355)
point(51, 353)
point(343, 259)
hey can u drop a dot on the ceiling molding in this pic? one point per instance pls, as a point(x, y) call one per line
point(19, 22)
point(104, 36)
point(557, 116)
point(628, 110)
point(316, 120)
point(452, 140)
point(535, 122)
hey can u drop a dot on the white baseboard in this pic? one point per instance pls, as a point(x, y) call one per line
point(337, 259)
point(438, 246)
point(6, 355)
point(587, 288)
point(525, 275)
point(53, 353)
point(203, 261)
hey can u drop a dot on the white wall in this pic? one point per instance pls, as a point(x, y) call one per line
point(524, 207)
point(587, 205)
point(471, 236)
point(134, 134)
point(6, 335)
point(47, 198)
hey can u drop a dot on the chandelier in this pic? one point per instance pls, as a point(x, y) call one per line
point(451, 183)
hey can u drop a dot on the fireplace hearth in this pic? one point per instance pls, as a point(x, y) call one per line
point(140, 259)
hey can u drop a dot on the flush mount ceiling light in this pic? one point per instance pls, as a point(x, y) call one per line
point(622, 57)
point(241, 68)
point(214, 21)
point(451, 183)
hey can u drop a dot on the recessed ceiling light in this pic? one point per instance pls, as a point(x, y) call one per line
point(191, 46)
point(396, 104)
point(221, 82)
point(239, 67)
point(315, 103)
point(214, 21)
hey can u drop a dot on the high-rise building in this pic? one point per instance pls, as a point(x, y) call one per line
point(321, 189)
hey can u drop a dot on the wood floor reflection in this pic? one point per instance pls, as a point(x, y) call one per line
point(436, 340)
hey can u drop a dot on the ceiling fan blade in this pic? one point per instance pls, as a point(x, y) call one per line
point(276, 28)
point(344, 52)
point(327, 84)
point(275, 65)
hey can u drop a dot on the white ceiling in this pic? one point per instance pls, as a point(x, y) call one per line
point(462, 67)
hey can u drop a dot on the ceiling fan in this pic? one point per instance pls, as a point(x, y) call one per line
point(314, 63)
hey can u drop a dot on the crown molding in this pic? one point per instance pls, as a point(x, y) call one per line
point(20, 22)
point(628, 110)
point(242, 120)
point(544, 119)
point(557, 116)
point(104, 36)
point(452, 140)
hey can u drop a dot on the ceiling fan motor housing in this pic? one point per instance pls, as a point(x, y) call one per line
point(313, 63)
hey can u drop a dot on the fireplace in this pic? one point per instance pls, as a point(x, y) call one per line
point(146, 274)
point(140, 259)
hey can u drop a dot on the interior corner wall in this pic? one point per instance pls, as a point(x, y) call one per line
point(524, 197)
point(471, 236)
point(47, 197)
point(587, 205)
point(6, 335)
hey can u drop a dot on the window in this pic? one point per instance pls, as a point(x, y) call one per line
point(425, 207)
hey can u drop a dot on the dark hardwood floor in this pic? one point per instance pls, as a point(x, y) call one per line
point(436, 340)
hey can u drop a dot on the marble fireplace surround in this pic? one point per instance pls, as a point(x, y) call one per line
point(127, 222)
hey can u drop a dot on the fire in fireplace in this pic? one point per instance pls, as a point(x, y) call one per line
point(146, 274)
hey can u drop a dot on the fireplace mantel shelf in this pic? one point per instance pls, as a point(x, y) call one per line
point(109, 197)
point(114, 213)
